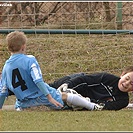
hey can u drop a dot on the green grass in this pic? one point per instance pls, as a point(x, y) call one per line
point(67, 120)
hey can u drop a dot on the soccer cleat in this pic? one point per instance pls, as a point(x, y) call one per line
point(98, 107)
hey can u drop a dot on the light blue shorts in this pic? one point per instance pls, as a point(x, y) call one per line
point(41, 100)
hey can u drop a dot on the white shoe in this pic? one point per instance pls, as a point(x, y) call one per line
point(18, 109)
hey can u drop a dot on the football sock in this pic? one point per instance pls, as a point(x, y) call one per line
point(80, 101)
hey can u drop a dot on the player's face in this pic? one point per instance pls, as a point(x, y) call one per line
point(126, 82)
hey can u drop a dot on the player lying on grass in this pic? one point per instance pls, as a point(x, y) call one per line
point(102, 88)
point(21, 74)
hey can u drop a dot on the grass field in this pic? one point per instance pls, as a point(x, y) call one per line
point(59, 55)
point(67, 120)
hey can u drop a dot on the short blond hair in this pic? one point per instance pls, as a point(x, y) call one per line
point(15, 40)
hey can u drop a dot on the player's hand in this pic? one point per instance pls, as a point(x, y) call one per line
point(52, 100)
point(63, 87)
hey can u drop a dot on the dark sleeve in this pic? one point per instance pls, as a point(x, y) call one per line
point(118, 104)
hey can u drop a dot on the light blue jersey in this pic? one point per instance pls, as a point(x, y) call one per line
point(20, 74)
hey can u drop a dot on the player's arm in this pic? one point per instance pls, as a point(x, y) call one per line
point(3, 95)
point(44, 88)
point(116, 105)
point(2, 99)
point(38, 80)
point(36, 75)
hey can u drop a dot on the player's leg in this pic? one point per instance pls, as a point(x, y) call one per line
point(57, 83)
point(75, 100)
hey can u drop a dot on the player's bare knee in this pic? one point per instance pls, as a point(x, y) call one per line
point(64, 96)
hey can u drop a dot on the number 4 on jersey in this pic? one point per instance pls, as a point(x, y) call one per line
point(19, 82)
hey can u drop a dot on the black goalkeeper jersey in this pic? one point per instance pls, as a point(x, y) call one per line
point(99, 87)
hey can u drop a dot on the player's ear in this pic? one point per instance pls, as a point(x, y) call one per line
point(23, 47)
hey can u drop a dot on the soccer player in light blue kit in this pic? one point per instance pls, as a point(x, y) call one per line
point(21, 74)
